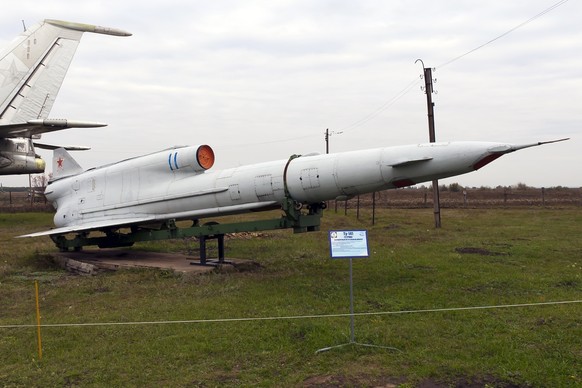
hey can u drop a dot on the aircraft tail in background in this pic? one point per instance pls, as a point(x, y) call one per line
point(32, 70)
point(34, 65)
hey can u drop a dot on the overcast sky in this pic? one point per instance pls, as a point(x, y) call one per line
point(262, 80)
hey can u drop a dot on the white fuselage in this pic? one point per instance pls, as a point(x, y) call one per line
point(152, 185)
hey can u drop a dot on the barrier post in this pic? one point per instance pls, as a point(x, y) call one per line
point(38, 322)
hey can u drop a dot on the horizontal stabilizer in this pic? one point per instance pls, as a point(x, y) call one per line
point(34, 127)
point(54, 147)
point(88, 28)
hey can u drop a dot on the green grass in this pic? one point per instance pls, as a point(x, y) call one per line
point(536, 256)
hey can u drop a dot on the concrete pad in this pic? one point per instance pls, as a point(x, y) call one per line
point(113, 259)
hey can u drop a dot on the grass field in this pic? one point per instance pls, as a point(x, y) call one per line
point(480, 257)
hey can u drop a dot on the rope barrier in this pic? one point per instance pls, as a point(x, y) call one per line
point(295, 317)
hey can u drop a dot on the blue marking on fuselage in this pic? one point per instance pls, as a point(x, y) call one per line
point(176, 160)
point(170, 162)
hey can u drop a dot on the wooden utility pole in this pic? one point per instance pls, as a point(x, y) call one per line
point(428, 90)
point(328, 133)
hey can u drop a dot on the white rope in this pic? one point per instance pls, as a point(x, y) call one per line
point(250, 319)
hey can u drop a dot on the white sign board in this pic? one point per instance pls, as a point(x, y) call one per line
point(348, 243)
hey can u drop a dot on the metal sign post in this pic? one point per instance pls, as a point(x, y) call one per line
point(349, 244)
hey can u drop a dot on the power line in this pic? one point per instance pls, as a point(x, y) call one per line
point(415, 81)
point(238, 145)
point(545, 11)
point(404, 91)
point(384, 106)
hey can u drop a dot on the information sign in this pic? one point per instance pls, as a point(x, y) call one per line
point(348, 243)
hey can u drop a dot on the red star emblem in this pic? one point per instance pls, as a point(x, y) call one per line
point(60, 162)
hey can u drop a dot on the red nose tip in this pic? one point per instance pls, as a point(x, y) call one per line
point(485, 161)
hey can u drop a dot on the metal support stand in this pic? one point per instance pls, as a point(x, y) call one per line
point(204, 261)
point(352, 331)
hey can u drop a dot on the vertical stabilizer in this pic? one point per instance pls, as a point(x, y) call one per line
point(34, 65)
point(64, 165)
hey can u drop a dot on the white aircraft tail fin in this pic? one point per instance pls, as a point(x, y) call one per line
point(64, 164)
point(34, 65)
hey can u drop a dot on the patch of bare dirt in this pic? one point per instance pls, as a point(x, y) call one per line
point(479, 251)
point(394, 382)
point(351, 381)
